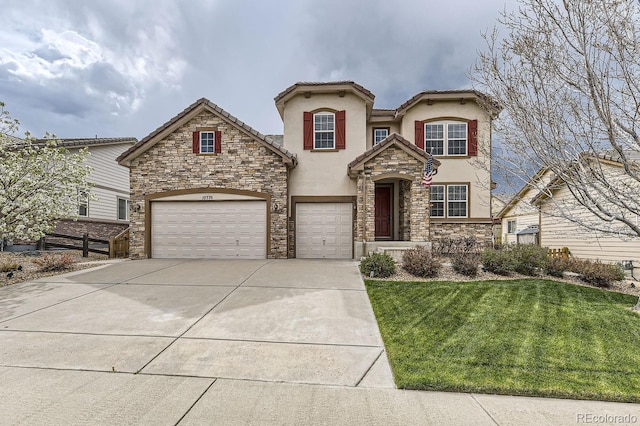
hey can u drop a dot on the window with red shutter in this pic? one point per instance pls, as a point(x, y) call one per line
point(308, 130)
point(218, 141)
point(196, 143)
point(472, 137)
point(341, 130)
point(419, 127)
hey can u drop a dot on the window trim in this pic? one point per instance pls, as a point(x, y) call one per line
point(127, 208)
point(332, 132)
point(83, 201)
point(445, 122)
point(213, 142)
point(511, 230)
point(373, 134)
point(445, 201)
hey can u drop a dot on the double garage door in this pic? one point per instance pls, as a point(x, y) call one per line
point(209, 229)
point(324, 230)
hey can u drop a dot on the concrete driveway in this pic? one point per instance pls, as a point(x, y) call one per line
point(225, 342)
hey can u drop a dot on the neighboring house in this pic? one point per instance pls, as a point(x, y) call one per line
point(520, 219)
point(343, 180)
point(104, 213)
point(496, 207)
point(557, 231)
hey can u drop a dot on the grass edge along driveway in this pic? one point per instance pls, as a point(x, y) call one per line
point(518, 337)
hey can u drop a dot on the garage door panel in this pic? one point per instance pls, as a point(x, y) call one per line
point(225, 229)
point(324, 230)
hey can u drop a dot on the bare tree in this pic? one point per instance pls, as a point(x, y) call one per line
point(567, 75)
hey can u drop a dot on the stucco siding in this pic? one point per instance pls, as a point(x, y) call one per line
point(317, 172)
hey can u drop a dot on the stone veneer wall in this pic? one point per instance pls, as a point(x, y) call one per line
point(405, 210)
point(244, 164)
point(95, 229)
point(393, 160)
point(482, 231)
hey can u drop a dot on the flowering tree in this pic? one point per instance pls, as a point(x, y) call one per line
point(567, 75)
point(39, 182)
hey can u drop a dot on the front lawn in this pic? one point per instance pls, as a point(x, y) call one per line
point(518, 337)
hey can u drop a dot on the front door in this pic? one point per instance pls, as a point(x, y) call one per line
point(383, 211)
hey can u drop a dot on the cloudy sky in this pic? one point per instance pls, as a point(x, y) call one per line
point(81, 68)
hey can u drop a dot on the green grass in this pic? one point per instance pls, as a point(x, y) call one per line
point(519, 337)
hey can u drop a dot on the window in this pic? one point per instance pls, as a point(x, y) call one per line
point(457, 200)
point(446, 138)
point(207, 142)
point(123, 209)
point(83, 203)
point(511, 227)
point(449, 201)
point(324, 130)
point(379, 135)
point(437, 200)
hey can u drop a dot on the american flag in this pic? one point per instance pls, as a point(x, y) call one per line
point(427, 178)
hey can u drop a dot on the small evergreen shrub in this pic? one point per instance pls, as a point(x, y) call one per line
point(9, 266)
point(381, 264)
point(499, 262)
point(466, 265)
point(529, 258)
point(55, 262)
point(420, 262)
point(598, 273)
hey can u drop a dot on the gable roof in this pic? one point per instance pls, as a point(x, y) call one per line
point(528, 186)
point(187, 114)
point(462, 95)
point(393, 139)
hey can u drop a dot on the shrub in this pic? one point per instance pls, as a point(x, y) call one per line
point(55, 262)
point(499, 262)
point(529, 258)
point(9, 266)
point(448, 246)
point(598, 273)
point(556, 266)
point(420, 262)
point(381, 264)
point(466, 265)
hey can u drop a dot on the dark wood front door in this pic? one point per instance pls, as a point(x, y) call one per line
point(383, 211)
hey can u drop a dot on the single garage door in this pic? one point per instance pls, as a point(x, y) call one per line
point(324, 230)
point(209, 229)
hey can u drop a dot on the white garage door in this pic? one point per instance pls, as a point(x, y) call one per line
point(209, 229)
point(324, 230)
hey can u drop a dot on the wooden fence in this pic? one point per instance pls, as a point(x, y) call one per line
point(117, 246)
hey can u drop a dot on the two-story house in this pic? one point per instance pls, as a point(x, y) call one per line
point(345, 178)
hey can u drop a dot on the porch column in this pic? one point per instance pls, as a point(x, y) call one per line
point(419, 210)
point(370, 207)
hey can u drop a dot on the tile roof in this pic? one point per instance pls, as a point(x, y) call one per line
point(135, 150)
point(355, 85)
point(492, 103)
point(81, 142)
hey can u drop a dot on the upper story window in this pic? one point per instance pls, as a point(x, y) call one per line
point(207, 142)
point(449, 201)
point(511, 227)
point(446, 138)
point(324, 130)
point(380, 134)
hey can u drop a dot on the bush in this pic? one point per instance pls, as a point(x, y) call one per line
point(466, 265)
point(556, 266)
point(381, 264)
point(598, 273)
point(9, 266)
point(448, 246)
point(529, 258)
point(499, 262)
point(420, 262)
point(55, 262)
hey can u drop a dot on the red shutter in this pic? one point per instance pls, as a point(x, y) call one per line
point(217, 143)
point(196, 143)
point(341, 134)
point(472, 137)
point(308, 130)
point(420, 134)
